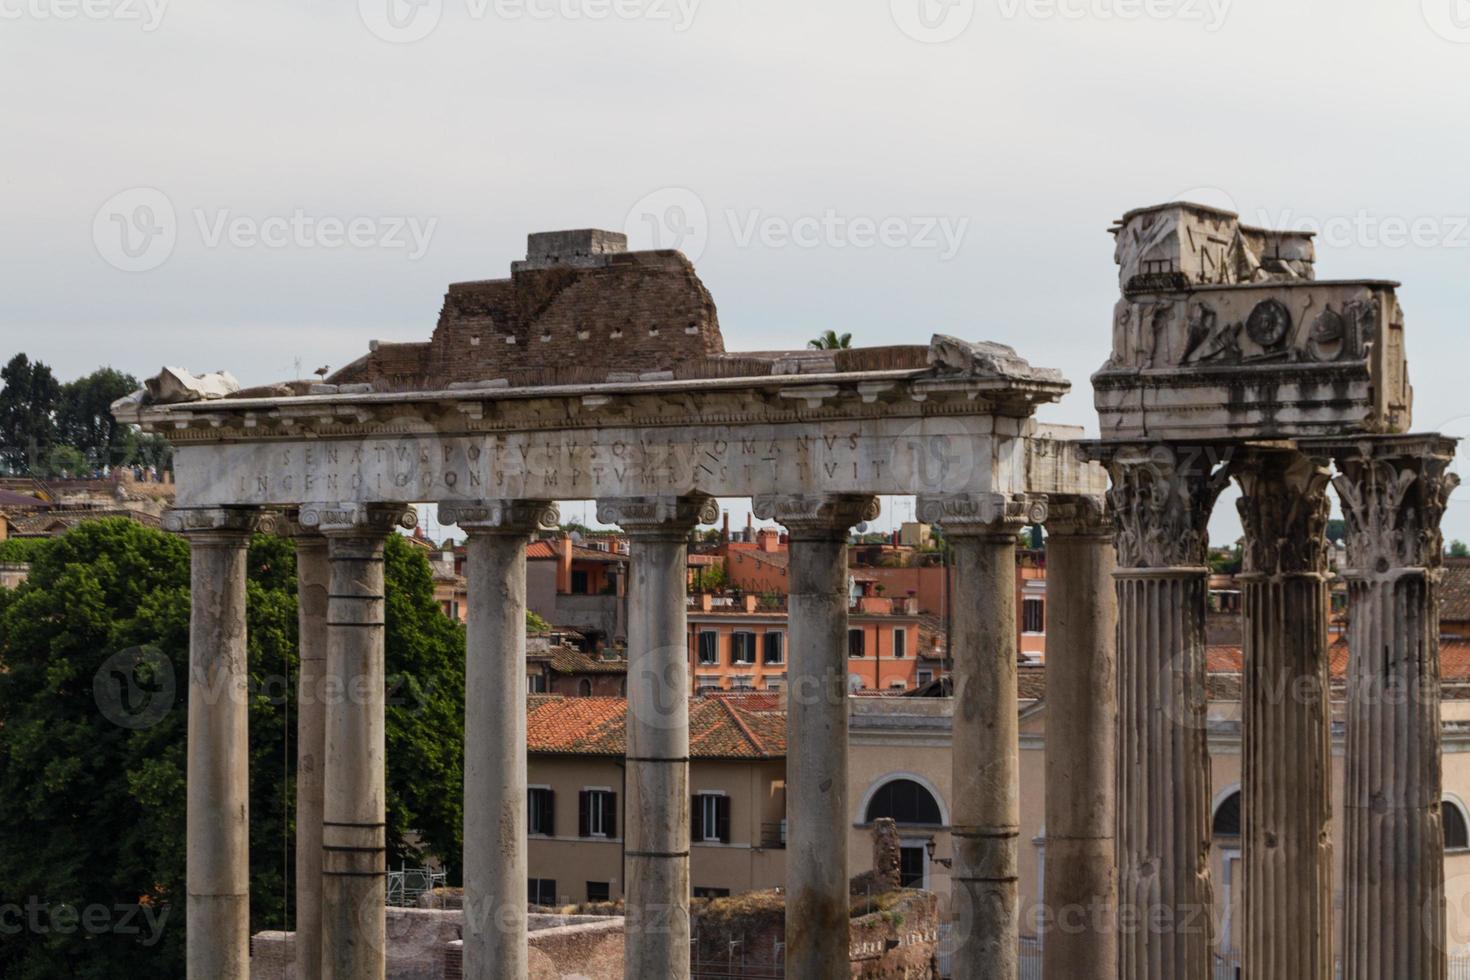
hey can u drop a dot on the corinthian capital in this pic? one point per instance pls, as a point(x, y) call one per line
point(1394, 490)
point(982, 513)
point(1161, 499)
point(824, 514)
point(501, 516)
point(663, 514)
point(1284, 510)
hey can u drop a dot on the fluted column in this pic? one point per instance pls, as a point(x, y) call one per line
point(1080, 941)
point(656, 830)
point(354, 862)
point(1394, 491)
point(1161, 499)
point(817, 901)
point(312, 586)
point(985, 801)
point(1287, 755)
point(217, 815)
point(495, 942)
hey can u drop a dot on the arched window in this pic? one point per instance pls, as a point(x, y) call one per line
point(1456, 833)
point(1227, 817)
point(584, 688)
point(906, 802)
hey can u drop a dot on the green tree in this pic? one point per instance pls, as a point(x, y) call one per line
point(93, 722)
point(1459, 549)
point(84, 418)
point(830, 340)
point(29, 396)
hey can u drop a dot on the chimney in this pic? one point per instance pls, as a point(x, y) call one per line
point(749, 527)
point(725, 529)
point(769, 539)
point(585, 247)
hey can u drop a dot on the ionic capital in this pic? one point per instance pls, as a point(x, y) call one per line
point(515, 517)
point(1284, 510)
point(659, 515)
point(1394, 490)
point(1161, 499)
point(821, 515)
point(349, 519)
point(1079, 516)
point(982, 514)
point(223, 522)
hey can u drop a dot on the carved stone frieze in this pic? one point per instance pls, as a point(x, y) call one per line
point(1161, 500)
point(357, 518)
point(1394, 492)
point(662, 513)
point(982, 513)
point(1079, 515)
point(513, 516)
point(816, 512)
point(220, 520)
point(1284, 510)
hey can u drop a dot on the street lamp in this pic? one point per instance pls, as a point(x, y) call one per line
point(929, 846)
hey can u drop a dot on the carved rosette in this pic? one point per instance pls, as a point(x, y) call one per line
point(662, 514)
point(1161, 499)
point(355, 518)
point(1394, 492)
point(824, 514)
point(232, 521)
point(982, 513)
point(1078, 516)
point(501, 516)
point(1284, 509)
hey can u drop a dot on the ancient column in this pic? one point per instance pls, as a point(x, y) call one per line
point(656, 827)
point(1161, 498)
point(312, 585)
point(217, 820)
point(985, 801)
point(495, 732)
point(1286, 783)
point(1080, 940)
point(1393, 491)
point(354, 863)
point(817, 902)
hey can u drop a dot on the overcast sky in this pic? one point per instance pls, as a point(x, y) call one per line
point(255, 185)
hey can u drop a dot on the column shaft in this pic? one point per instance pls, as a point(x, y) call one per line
point(1287, 753)
point(312, 584)
point(218, 811)
point(1081, 877)
point(354, 868)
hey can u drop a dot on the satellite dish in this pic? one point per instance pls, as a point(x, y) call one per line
point(862, 528)
point(576, 537)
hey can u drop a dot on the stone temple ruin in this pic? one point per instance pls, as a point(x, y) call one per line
point(596, 373)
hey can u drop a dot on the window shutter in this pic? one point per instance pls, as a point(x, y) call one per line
point(722, 813)
point(612, 814)
point(549, 827)
point(696, 819)
point(584, 814)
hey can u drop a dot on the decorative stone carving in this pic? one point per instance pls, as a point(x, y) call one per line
point(1393, 493)
point(664, 512)
point(1284, 510)
point(1269, 323)
point(1081, 515)
point(1208, 339)
point(801, 511)
point(1161, 501)
point(349, 518)
point(516, 516)
point(982, 513)
point(220, 520)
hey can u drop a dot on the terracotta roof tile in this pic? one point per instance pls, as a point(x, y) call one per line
point(719, 728)
point(1454, 591)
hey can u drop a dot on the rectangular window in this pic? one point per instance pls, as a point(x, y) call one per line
point(599, 891)
point(742, 682)
point(1033, 615)
point(597, 816)
point(742, 648)
point(536, 683)
point(580, 584)
point(855, 643)
point(775, 683)
point(707, 682)
point(709, 647)
point(711, 892)
point(925, 676)
point(541, 813)
point(542, 891)
point(711, 818)
point(775, 651)
point(900, 643)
